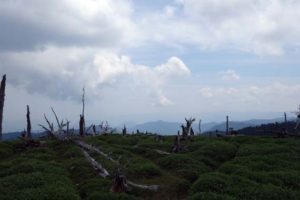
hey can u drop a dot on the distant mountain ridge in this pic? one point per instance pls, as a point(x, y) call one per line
point(237, 125)
point(171, 128)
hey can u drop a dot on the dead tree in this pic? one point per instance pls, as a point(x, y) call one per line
point(50, 129)
point(227, 124)
point(2, 96)
point(119, 183)
point(298, 120)
point(81, 120)
point(60, 132)
point(81, 126)
point(192, 132)
point(183, 128)
point(186, 130)
point(124, 131)
point(285, 121)
point(94, 130)
point(28, 133)
point(176, 148)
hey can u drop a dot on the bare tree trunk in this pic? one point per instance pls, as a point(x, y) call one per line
point(2, 95)
point(285, 122)
point(28, 133)
point(124, 131)
point(81, 121)
point(227, 123)
point(81, 126)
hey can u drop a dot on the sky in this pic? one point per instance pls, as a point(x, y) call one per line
point(141, 60)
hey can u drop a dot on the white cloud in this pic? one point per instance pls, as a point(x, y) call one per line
point(268, 97)
point(47, 72)
point(229, 75)
point(31, 24)
point(262, 27)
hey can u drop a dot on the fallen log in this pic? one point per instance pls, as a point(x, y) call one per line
point(162, 152)
point(97, 166)
point(92, 148)
point(103, 172)
point(154, 188)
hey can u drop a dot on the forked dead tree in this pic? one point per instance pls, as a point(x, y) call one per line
point(2, 97)
point(186, 130)
point(28, 132)
point(60, 132)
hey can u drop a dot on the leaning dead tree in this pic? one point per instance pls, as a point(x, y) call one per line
point(28, 132)
point(2, 96)
point(81, 120)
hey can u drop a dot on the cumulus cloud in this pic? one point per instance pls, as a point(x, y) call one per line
point(262, 27)
point(275, 96)
point(31, 24)
point(229, 75)
point(61, 72)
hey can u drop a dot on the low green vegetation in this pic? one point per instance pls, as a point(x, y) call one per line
point(208, 168)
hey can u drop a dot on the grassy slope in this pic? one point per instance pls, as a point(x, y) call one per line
point(210, 168)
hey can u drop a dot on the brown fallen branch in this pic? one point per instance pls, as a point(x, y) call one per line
point(92, 148)
point(97, 166)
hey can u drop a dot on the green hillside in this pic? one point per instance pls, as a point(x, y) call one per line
point(208, 168)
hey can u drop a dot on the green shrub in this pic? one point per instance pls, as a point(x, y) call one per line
point(211, 182)
point(271, 192)
point(37, 186)
point(30, 166)
point(210, 196)
point(219, 151)
point(146, 170)
point(89, 186)
point(110, 196)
